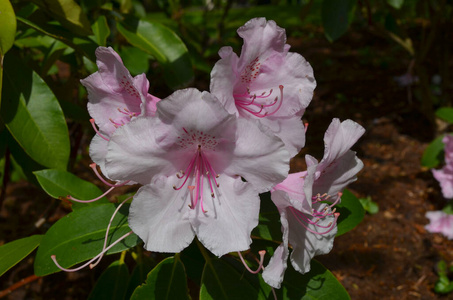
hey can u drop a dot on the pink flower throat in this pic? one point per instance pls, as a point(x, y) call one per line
point(258, 105)
point(199, 167)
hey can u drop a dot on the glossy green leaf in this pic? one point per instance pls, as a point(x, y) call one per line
point(269, 227)
point(432, 156)
point(7, 25)
point(58, 183)
point(446, 114)
point(139, 274)
point(351, 212)
point(112, 283)
point(13, 252)
point(336, 17)
point(68, 13)
point(33, 115)
point(221, 281)
point(83, 45)
point(80, 236)
point(101, 31)
point(166, 281)
point(318, 284)
point(165, 46)
point(135, 60)
point(396, 3)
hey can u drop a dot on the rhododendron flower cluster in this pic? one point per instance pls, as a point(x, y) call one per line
point(203, 158)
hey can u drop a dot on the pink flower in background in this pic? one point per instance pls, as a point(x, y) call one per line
point(445, 175)
point(191, 158)
point(266, 82)
point(114, 99)
point(440, 222)
point(308, 224)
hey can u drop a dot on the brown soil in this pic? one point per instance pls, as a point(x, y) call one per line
point(389, 255)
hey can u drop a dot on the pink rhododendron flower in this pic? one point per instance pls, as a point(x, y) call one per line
point(445, 175)
point(440, 222)
point(309, 224)
point(114, 98)
point(191, 158)
point(266, 82)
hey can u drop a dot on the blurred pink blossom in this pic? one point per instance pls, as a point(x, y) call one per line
point(440, 222)
point(445, 175)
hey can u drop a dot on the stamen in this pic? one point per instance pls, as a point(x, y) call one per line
point(243, 101)
point(95, 170)
point(53, 257)
point(69, 197)
point(299, 215)
point(97, 131)
point(260, 266)
point(107, 231)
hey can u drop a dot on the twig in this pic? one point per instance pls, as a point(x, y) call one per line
point(19, 284)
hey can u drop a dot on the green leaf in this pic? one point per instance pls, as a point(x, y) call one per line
point(369, 205)
point(221, 281)
point(336, 17)
point(135, 60)
point(68, 13)
point(101, 31)
point(166, 281)
point(13, 252)
point(33, 115)
point(139, 274)
point(351, 212)
point(8, 27)
point(269, 227)
point(165, 46)
point(433, 153)
point(317, 284)
point(396, 3)
point(80, 236)
point(112, 284)
point(446, 114)
point(58, 183)
point(83, 45)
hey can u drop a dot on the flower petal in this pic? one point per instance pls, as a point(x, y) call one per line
point(290, 129)
point(290, 193)
point(306, 244)
point(98, 151)
point(112, 93)
point(133, 153)
point(229, 218)
point(338, 139)
point(261, 37)
point(274, 272)
point(260, 157)
point(338, 174)
point(159, 216)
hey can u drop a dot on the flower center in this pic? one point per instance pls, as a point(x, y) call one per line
point(318, 215)
point(258, 105)
point(199, 168)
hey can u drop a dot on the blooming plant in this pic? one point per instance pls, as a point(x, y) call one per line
point(212, 202)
